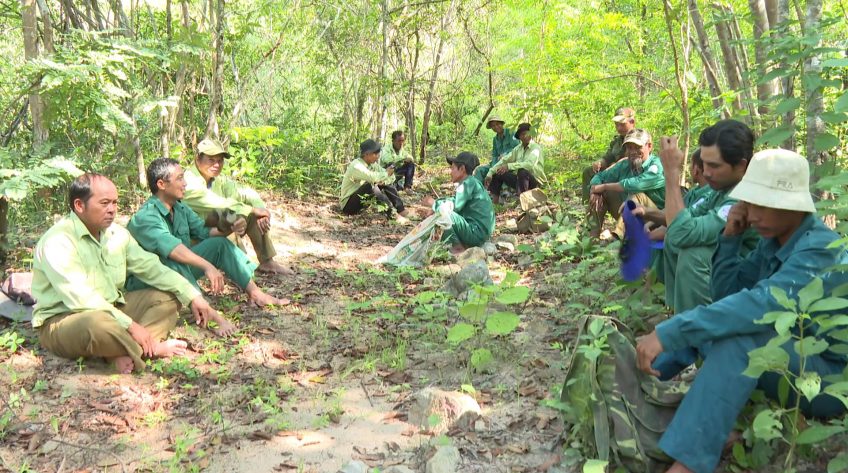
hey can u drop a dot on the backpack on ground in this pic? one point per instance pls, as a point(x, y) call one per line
point(617, 412)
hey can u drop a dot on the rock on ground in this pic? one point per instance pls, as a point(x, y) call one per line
point(446, 460)
point(454, 410)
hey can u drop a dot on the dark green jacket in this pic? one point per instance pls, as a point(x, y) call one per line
point(651, 180)
point(472, 201)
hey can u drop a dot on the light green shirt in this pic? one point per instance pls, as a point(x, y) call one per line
point(358, 173)
point(530, 158)
point(223, 193)
point(389, 156)
point(74, 272)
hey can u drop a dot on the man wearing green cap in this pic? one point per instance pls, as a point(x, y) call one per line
point(625, 121)
point(638, 178)
point(502, 143)
point(221, 201)
point(797, 259)
point(364, 178)
point(472, 214)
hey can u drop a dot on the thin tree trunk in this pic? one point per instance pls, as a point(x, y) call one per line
point(47, 26)
point(383, 102)
point(765, 90)
point(410, 95)
point(425, 121)
point(787, 84)
point(40, 131)
point(216, 102)
point(815, 104)
point(707, 56)
point(732, 68)
point(489, 77)
point(679, 74)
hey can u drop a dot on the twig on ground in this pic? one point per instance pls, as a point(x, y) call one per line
point(367, 395)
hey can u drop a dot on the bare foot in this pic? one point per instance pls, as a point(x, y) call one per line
point(401, 220)
point(224, 328)
point(274, 267)
point(261, 299)
point(169, 348)
point(124, 364)
point(678, 468)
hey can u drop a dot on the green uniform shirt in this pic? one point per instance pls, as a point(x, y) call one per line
point(74, 272)
point(695, 197)
point(153, 228)
point(223, 193)
point(651, 180)
point(741, 286)
point(358, 173)
point(473, 203)
point(615, 151)
point(531, 158)
point(702, 224)
point(503, 145)
point(389, 156)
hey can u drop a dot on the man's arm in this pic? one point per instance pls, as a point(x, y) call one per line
point(147, 267)
point(182, 254)
point(204, 200)
point(672, 160)
point(528, 161)
point(612, 155)
point(650, 179)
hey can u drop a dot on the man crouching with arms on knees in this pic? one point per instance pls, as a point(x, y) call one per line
point(79, 271)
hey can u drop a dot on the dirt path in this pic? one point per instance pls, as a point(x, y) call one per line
point(307, 387)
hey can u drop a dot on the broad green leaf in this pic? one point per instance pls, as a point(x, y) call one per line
point(810, 346)
point(826, 141)
point(841, 104)
point(776, 136)
point(809, 384)
point(841, 335)
point(827, 304)
point(473, 312)
point(837, 62)
point(827, 322)
point(782, 321)
point(510, 279)
point(834, 118)
point(816, 433)
point(774, 74)
point(502, 323)
point(839, 348)
point(768, 358)
point(787, 105)
point(595, 466)
point(782, 299)
point(838, 464)
point(481, 358)
point(810, 293)
point(514, 295)
point(461, 332)
point(783, 387)
point(767, 425)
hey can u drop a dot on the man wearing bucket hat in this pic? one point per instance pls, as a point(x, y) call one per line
point(473, 216)
point(639, 178)
point(625, 121)
point(364, 177)
point(796, 248)
point(522, 169)
point(222, 201)
point(502, 143)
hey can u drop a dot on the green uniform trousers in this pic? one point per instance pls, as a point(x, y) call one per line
point(464, 232)
point(262, 244)
point(686, 272)
point(97, 334)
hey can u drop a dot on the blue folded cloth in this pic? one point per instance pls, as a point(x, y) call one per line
point(635, 252)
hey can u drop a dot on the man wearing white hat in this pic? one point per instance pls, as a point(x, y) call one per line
point(503, 142)
point(796, 248)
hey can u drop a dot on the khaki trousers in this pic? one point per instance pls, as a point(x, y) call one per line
point(97, 334)
point(612, 204)
point(262, 244)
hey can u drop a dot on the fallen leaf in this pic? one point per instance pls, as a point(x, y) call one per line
point(260, 435)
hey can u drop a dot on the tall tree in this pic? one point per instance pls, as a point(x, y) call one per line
point(40, 132)
point(759, 14)
point(216, 101)
point(710, 68)
point(428, 104)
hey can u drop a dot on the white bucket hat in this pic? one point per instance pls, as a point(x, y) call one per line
point(778, 179)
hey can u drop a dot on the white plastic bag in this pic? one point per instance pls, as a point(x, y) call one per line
point(413, 248)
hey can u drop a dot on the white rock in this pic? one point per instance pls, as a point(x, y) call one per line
point(446, 460)
point(454, 410)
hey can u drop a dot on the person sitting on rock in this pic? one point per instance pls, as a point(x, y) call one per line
point(219, 199)
point(170, 229)
point(80, 266)
point(365, 178)
point(473, 215)
point(503, 142)
point(522, 169)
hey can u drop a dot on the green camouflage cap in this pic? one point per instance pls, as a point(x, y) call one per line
point(212, 147)
point(623, 114)
point(638, 137)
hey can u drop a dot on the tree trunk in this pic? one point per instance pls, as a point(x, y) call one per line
point(815, 104)
point(40, 132)
point(787, 84)
point(410, 95)
point(679, 73)
point(383, 90)
point(707, 57)
point(425, 121)
point(47, 26)
point(216, 101)
point(765, 90)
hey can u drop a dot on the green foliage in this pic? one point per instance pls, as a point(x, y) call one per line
point(10, 341)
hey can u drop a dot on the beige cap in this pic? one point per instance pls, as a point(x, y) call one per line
point(623, 114)
point(211, 147)
point(638, 137)
point(777, 179)
point(494, 118)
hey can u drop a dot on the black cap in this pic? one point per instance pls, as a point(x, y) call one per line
point(469, 160)
point(522, 127)
point(369, 146)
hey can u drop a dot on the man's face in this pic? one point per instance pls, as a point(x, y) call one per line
point(637, 155)
point(174, 188)
point(623, 128)
point(719, 174)
point(696, 172)
point(769, 222)
point(210, 166)
point(497, 127)
point(398, 142)
point(457, 172)
point(99, 211)
point(371, 157)
point(525, 138)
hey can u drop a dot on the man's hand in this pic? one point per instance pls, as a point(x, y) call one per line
point(596, 202)
point(670, 155)
point(487, 181)
point(239, 227)
point(143, 338)
point(658, 234)
point(597, 165)
point(202, 311)
point(737, 219)
point(216, 279)
point(263, 219)
point(502, 170)
point(390, 170)
point(647, 350)
point(639, 211)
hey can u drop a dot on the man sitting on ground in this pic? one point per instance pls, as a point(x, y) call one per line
point(218, 199)
point(395, 157)
point(80, 266)
point(365, 178)
point(170, 229)
point(796, 247)
point(473, 216)
point(503, 142)
point(638, 178)
point(625, 121)
point(522, 169)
